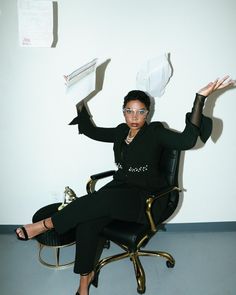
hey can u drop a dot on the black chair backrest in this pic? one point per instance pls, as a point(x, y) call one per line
point(169, 166)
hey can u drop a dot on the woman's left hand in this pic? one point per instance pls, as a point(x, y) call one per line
point(216, 85)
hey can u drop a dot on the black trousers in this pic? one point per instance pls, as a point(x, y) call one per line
point(89, 214)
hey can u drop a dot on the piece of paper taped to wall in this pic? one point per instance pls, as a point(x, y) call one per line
point(154, 75)
point(35, 23)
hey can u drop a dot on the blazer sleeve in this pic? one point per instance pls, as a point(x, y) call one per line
point(88, 128)
point(187, 139)
point(205, 128)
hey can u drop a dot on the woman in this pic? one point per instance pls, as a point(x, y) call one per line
point(137, 148)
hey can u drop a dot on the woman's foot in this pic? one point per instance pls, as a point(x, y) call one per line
point(85, 283)
point(29, 231)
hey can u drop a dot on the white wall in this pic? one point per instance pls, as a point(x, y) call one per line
point(41, 154)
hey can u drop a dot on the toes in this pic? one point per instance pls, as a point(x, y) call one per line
point(19, 233)
point(22, 233)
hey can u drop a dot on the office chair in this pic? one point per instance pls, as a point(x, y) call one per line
point(131, 236)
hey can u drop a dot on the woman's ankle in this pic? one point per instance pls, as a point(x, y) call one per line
point(47, 224)
point(85, 279)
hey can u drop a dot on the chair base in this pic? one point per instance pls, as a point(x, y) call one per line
point(138, 268)
point(56, 249)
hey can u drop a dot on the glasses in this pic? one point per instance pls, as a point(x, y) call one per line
point(132, 112)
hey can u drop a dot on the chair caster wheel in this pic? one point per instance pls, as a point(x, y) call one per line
point(141, 291)
point(170, 264)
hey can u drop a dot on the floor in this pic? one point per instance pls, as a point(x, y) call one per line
point(205, 264)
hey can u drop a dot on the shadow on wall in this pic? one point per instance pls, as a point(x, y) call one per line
point(55, 24)
point(217, 122)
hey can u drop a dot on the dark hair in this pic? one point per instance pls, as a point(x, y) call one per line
point(137, 95)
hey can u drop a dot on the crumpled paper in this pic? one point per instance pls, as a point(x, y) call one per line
point(154, 75)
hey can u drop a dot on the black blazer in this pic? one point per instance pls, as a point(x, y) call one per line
point(138, 162)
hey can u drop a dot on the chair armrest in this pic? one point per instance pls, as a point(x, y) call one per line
point(152, 199)
point(90, 187)
point(102, 175)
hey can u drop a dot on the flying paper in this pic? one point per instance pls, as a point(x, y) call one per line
point(80, 73)
point(81, 82)
point(154, 75)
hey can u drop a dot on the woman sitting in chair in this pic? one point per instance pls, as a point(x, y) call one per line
point(137, 149)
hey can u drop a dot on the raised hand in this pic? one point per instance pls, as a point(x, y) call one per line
point(216, 85)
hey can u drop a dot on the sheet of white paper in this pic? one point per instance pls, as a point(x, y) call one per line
point(81, 82)
point(81, 89)
point(154, 75)
point(80, 73)
point(35, 22)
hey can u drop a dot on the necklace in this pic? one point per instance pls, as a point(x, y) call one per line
point(129, 138)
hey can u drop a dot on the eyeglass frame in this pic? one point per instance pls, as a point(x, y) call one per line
point(139, 112)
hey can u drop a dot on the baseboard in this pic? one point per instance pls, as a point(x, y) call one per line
point(170, 227)
point(7, 229)
point(201, 226)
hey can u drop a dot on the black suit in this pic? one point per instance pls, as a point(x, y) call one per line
point(123, 198)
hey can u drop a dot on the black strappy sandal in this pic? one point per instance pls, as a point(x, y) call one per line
point(26, 237)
